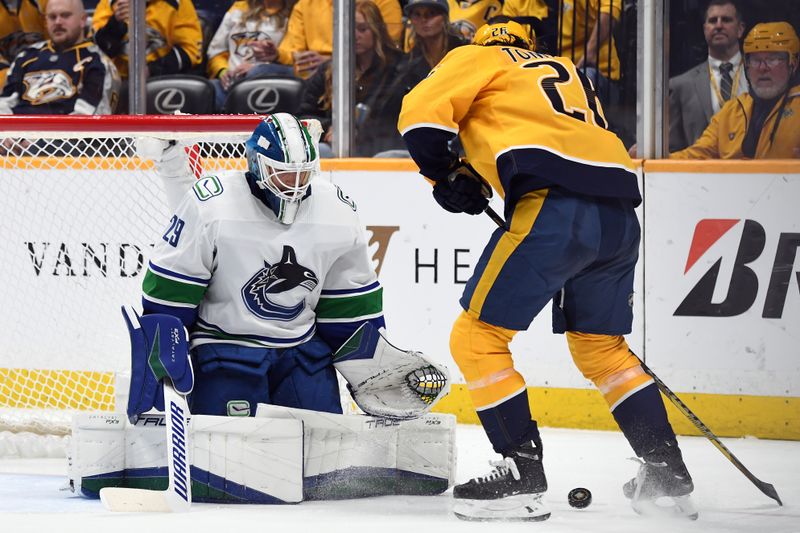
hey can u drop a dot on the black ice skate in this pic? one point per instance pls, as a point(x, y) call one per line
point(512, 491)
point(663, 484)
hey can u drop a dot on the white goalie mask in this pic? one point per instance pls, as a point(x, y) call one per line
point(281, 159)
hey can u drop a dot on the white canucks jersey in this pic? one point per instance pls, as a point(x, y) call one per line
point(236, 275)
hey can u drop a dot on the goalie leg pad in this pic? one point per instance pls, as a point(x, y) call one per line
point(347, 456)
point(234, 460)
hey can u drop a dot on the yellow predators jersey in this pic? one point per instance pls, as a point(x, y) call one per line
point(526, 121)
point(466, 16)
point(171, 25)
point(578, 18)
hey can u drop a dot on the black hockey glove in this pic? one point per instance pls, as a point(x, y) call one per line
point(463, 190)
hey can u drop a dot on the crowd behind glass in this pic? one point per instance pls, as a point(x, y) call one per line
point(70, 57)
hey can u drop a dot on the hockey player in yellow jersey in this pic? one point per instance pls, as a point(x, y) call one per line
point(532, 126)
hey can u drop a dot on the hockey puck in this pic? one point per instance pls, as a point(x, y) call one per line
point(579, 498)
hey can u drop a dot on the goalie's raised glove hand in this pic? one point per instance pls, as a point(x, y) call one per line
point(463, 190)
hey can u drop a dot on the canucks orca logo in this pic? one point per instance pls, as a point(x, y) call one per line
point(278, 291)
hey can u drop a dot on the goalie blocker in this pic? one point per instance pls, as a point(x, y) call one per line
point(282, 455)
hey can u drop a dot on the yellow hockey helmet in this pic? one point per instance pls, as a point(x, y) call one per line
point(773, 37)
point(508, 33)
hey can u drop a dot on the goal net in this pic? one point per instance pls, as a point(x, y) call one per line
point(80, 213)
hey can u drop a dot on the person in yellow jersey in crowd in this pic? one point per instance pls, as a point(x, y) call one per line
point(21, 25)
point(174, 39)
point(466, 16)
point(764, 123)
point(600, 61)
point(308, 42)
point(533, 128)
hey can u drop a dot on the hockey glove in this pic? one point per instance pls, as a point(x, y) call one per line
point(386, 381)
point(159, 349)
point(463, 190)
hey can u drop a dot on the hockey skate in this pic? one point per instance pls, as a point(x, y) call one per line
point(511, 492)
point(662, 487)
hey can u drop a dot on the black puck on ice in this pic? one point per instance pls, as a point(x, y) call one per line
point(579, 498)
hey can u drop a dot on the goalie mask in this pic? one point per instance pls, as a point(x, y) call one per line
point(281, 159)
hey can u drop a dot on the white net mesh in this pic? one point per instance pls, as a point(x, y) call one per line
point(79, 214)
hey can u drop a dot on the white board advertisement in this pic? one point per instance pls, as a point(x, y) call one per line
point(722, 281)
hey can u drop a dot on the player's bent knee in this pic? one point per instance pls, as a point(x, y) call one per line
point(607, 361)
point(473, 341)
point(484, 358)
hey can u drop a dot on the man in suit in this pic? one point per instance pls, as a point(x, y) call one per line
point(696, 95)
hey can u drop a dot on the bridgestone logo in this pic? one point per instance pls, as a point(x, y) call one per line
point(178, 421)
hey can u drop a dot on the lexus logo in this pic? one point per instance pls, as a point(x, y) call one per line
point(170, 100)
point(263, 99)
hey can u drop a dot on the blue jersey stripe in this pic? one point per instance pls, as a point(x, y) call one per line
point(245, 337)
point(359, 290)
point(166, 272)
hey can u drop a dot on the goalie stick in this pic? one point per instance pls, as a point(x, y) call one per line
point(178, 496)
point(763, 486)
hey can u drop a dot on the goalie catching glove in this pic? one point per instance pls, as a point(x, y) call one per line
point(463, 190)
point(159, 350)
point(386, 381)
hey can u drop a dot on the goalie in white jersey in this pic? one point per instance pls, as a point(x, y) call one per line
point(269, 273)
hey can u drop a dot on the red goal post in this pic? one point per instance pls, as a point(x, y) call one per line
point(79, 213)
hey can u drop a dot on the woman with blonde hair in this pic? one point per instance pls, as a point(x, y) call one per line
point(377, 57)
point(250, 30)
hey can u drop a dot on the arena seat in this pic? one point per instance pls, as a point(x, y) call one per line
point(265, 95)
point(185, 93)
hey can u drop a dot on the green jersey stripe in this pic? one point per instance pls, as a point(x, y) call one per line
point(350, 307)
point(170, 290)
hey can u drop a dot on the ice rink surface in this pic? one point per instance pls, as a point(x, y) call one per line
point(30, 499)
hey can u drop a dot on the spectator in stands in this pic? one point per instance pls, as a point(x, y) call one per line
point(308, 42)
point(696, 95)
point(21, 25)
point(66, 74)
point(174, 40)
point(466, 17)
point(533, 15)
point(377, 96)
point(211, 12)
point(236, 50)
point(764, 124)
point(600, 61)
point(431, 37)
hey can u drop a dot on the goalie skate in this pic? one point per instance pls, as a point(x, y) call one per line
point(511, 492)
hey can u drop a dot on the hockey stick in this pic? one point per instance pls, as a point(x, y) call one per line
point(763, 486)
point(178, 496)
